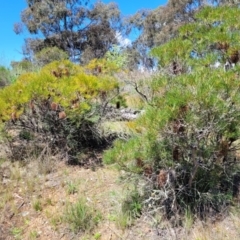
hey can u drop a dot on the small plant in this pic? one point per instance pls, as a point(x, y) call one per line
point(17, 232)
point(124, 220)
point(31, 185)
point(37, 205)
point(188, 219)
point(26, 135)
point(72, 188)
point(33, 235)
point(49, 202)
point(55, 221)
point(80, 216)
point(16, 172)
point(97, 236)
point(131, 209)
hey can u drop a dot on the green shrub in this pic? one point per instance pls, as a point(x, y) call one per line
point(185, 144)
point(57, 108)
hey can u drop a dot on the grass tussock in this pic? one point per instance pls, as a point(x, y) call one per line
point(80, 216)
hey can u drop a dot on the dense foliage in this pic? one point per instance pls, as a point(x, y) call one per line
point(58, 107)
point(86, 31)
point(185, 144)
point(82, 30)
point(182, 152)
point(160, 25)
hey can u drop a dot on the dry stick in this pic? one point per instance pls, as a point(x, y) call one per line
point(13, 214)
point(140, 93)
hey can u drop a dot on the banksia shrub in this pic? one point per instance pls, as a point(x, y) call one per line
point(190, 134)
point(186, 149)
point(60, 105)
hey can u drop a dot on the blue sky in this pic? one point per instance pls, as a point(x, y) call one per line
point(10, 12)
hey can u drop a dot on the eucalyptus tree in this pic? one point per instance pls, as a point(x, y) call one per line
point(79, 28)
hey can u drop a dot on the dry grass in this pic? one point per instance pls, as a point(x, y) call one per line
point(33, 202)
point(117, 128)
point(227, 229)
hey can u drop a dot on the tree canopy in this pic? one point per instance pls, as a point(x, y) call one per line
point(160, 25)
point(86, 31)
point(83, 31)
